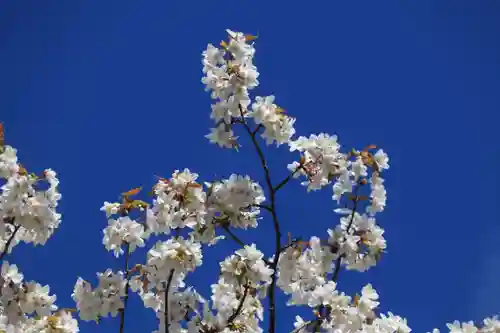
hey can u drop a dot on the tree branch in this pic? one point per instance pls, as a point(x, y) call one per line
point(233, 236)
point(277, 232)
point(263, 207)
point(9, 241)
point(166, 316)
point(287, 179)
point(237, 312)
point(125, 299)
point(257, 129)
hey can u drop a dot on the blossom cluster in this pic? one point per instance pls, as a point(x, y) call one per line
point(123, 230)
point(28, 307)
point(181, 203)
point(235, 201)
point(27, 210)
point(105, 299)
point(236, 296)
point(28, 214)
point(230, 74)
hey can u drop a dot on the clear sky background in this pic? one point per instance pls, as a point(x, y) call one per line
point(108, 94)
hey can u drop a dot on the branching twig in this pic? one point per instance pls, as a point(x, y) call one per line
point(257, 129)
point(263, 207)
point(277, 232)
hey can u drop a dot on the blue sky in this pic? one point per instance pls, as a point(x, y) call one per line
point(108, 94)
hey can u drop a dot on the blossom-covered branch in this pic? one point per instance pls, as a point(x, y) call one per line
point(27, 214)
point(183, 216)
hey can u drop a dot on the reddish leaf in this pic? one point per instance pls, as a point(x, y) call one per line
point(131, 192)
point(369, 147)
point(249, 38)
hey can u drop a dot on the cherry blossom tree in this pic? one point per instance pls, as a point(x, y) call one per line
point(185, 215)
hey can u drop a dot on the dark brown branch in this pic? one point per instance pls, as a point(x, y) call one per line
point(233, 236)
point(257, 129)
point(287, 179)
point(263, 207)
point(277, 232)
point(9, 241)
point(125, 299)
point(237, 312)
point(167, 288)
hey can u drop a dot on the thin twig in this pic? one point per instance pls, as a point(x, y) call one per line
point(263, 207)
point(233, 236)
point(287, 179)
point(166, 316)
point(9, 241)
point(125, 299)
point(237, 312)
point(257, 129)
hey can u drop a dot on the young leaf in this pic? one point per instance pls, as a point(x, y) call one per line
point(132, 192)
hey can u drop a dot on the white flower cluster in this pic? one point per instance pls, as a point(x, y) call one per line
point(179, 203)
point(278, 127)
point(490, 325)
point(230, 74)
point(167, 265)
point(321, 160)
point(8, 162)
point(236, 296)
point(181, 304)
point(235, 200)
point(121, 231)
point(358, 240)
point(106, 299)
point(22, 298)
point(303, 274)
point(356, 314)
point(246, 267)
point(59, 322)
point(19, 300)
point(27, 212)
point(178, 255)
point(378, 194)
